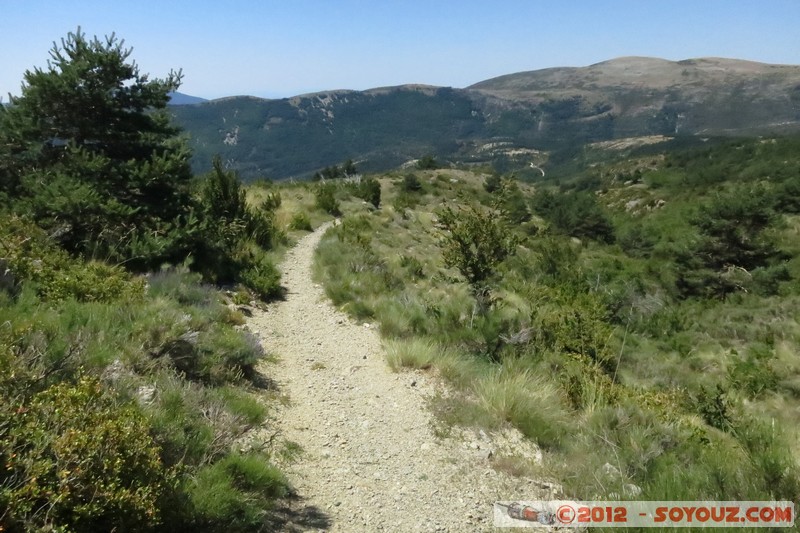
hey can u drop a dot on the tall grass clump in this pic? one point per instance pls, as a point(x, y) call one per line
point(534, 405)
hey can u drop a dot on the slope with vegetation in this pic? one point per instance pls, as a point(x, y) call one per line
point(507, 121)
point(636, 319)
point(634, 314)
point(126, 382)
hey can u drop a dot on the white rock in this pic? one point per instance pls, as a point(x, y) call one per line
point(610, 470)
point(145, 394)
point(631, 490)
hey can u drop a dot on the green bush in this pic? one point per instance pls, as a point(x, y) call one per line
point(369, 190)
point(405, 200)
point(262, 276)
point(230, 247)
point(492, 183)
point(411, 183)
point(73, 458)
point(31, 257)
point(428, 162)
point(510, 201)
point(576, 214)
point(753, 373)
point(300, 222)
point(475, 242)
point(326, 199)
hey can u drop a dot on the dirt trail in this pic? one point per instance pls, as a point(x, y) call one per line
point(370, 460)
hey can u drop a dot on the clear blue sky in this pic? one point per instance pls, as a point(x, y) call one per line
point(281, 48)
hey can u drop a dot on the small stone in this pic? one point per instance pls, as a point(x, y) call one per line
point(631, 490)
point(484, 455)
point(145, 394)
point(610, 470)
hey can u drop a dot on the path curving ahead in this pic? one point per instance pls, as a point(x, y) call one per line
point(370, 459)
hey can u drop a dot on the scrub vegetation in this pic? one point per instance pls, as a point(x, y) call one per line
point(635, 314)
point(636, 318)
point(127, 385)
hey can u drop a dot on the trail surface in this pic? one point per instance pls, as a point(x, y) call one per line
point(370, 460)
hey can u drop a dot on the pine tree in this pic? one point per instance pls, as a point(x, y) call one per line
point(89, 151)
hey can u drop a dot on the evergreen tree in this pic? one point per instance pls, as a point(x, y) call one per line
point(733, 242)
point(88, 149)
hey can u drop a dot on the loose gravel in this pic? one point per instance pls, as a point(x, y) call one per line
point(370, 459)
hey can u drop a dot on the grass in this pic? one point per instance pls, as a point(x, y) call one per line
point(172, 368)
point(414, 353)
point(585, 347)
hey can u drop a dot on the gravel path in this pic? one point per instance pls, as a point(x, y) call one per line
point(370, 459)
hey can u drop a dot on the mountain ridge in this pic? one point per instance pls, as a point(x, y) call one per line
point(545, 110)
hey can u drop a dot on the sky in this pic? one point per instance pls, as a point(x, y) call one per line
point(277, 49)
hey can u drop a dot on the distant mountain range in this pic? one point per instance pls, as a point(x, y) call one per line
point(176, 98)
point(510, 121)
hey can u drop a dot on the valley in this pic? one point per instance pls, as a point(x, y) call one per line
point(552, 110)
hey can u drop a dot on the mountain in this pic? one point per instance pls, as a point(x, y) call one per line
point(176, 98)
point(509, 121)
point(655, 96)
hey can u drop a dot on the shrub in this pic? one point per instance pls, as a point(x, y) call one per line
point(575, 214)
point(32, 257)
point(405, 200)
point(369, 190)
point(733, 241)
point(511, 202)
point(73, 458)
point(752, 373)
point(300, 222)
point(263, 277)
point(326, 200)
point(428, 162)
point(475, 242)
point(411, 183)
point(492, 183)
